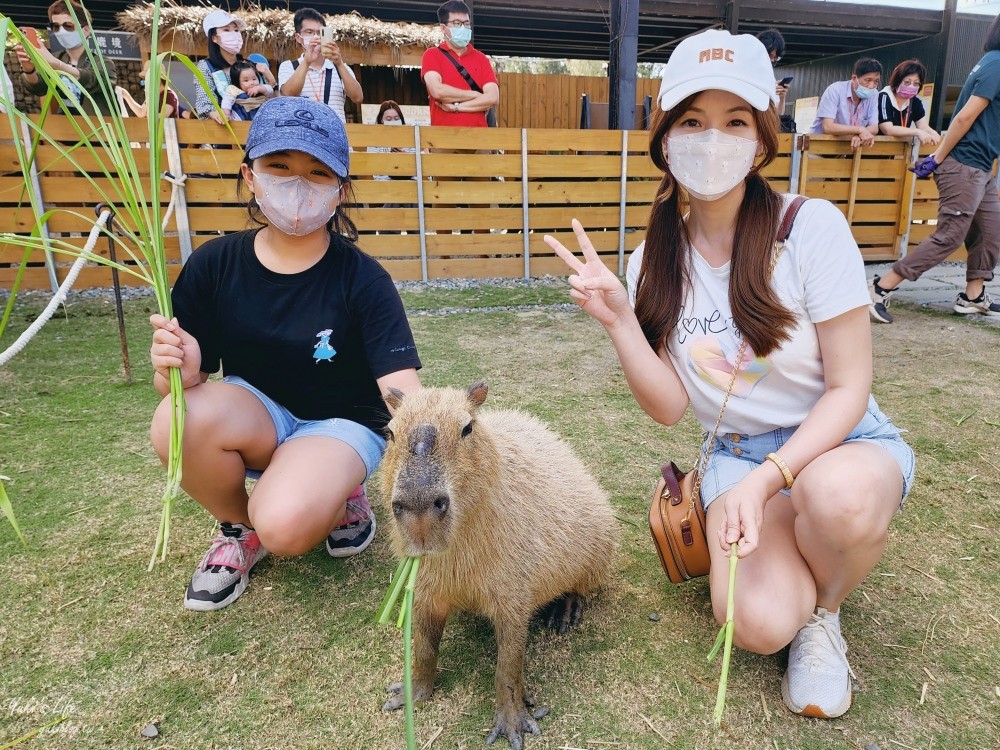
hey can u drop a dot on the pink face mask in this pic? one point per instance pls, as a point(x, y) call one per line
point(294, 205)
point(231, 41)
point(906, 92)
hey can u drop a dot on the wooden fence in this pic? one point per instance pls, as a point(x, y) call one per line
point(454, 202)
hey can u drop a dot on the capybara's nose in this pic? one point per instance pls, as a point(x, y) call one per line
point(440, 505)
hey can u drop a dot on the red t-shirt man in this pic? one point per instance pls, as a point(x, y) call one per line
point(453, 101)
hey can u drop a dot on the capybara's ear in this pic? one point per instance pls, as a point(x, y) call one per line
point(477, 393)
point(393, 397)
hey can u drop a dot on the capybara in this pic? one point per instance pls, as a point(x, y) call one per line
point(506, 519)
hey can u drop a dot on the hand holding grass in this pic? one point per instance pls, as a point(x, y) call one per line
point(725, 637)
point(174, 347)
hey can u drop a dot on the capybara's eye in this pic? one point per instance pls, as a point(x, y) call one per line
point(467, 430)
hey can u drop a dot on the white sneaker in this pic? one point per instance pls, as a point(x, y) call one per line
point(817, 682)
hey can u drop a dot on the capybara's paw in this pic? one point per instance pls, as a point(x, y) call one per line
point(565, 612)
point(512, 722)
point(398, 700)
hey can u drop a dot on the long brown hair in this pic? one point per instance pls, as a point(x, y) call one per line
point(665, 275)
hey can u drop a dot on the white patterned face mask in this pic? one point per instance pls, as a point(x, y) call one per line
point(711, 163)
point(294, 205)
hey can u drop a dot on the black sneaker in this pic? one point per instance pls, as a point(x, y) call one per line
point(878, 308)
point(224, 571)
point(982, 305)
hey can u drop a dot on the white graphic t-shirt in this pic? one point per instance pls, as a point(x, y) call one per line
point(819, 276)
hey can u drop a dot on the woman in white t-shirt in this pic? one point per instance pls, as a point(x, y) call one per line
point(800, 409)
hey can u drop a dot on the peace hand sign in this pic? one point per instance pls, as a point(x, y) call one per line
point(594, 287)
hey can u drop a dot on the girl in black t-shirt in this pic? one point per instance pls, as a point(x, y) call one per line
point(310, 333)
point(900, 111)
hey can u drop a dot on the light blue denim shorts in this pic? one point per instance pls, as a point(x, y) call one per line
point(734, 455)
point(368, 444)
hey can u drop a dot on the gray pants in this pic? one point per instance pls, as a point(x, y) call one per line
point(969, 212)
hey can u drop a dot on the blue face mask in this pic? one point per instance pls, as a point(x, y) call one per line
point(461, 37)
point(864, 93)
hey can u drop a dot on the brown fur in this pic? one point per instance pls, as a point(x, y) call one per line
point(524, 524)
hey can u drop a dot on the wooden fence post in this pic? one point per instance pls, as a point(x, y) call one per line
point(420, 202)
point(621, 204)
point(906, 200)
point(524, 202)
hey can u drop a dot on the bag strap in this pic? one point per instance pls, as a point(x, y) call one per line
point(327, 80)
point(462, 71)
point(789, 218)
point(784, 230)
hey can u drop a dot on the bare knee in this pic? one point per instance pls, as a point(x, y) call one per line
point(848, 516)
point(284, 532)
point(763, 625)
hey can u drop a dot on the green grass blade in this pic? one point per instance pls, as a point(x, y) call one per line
point(728, 628)
point(8, 510)
point(411, 732)
point(33, 733)
point(395, 586)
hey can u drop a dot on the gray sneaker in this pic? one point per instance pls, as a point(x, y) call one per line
point(817, 682)
point(982, 305)
point(224, 572)
point(878, 308)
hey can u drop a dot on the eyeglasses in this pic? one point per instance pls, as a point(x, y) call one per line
point(310, 32)
point(459, 24)
point(68, 26)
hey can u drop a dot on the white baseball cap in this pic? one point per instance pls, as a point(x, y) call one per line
point(716, 59)
point(219, 18)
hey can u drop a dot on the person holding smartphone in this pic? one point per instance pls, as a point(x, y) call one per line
point(320, 72)
point(81, 70)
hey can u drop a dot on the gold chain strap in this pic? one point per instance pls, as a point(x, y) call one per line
point(703, 459)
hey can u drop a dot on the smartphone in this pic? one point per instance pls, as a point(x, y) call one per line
point(328, 34)
point(786, 80)
point(32, 35)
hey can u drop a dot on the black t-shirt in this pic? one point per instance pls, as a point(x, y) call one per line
point(313, 341)
point(888, 113)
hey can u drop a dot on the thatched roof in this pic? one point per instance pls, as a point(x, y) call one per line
point(271, 28)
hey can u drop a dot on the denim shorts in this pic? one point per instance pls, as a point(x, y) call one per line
point(368, 444)
point(734, 455)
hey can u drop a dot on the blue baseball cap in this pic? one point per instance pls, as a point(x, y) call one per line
point(293, 123)
point(256, 57)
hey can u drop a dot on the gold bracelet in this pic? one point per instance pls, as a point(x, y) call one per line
point(783, 467)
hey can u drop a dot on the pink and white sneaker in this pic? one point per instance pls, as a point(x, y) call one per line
point(358, 529)
point(224, 572)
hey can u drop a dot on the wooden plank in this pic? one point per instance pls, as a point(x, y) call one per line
point(574, 166)
point(362, 136)
point(214, 218)
point(391, 245)
point(642, 166)
point(198, 132)
point(394, 163)
point(472, 139)
point(62, 128)
point(391, 219)
point(403, 270)
point(835, 168)
point(442, 219)
point(576, 193)
point(51, 159)
point(211, 160)
point(471, 165)
point(75, 190)
point(444, 191)
point(474, 268)
point(474, 244)
point(378, 192)
point(574, 140)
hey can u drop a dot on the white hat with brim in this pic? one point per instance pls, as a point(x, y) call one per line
point(717, 59)
point(219, 18)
